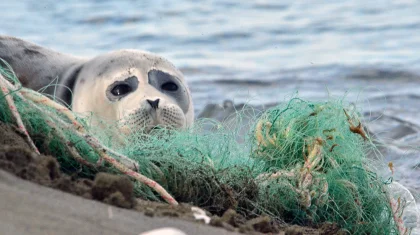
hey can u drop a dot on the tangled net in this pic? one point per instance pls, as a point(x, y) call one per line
point(301, 162)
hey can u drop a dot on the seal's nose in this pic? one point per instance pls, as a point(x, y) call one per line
point(154, 103)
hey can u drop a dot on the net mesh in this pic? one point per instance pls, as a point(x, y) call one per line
point(300, 162)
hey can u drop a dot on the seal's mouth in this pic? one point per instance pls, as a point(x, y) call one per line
point(154, 120)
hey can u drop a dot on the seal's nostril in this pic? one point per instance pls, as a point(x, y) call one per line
point(154, 103)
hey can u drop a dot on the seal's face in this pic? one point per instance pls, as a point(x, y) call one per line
point(138, 89)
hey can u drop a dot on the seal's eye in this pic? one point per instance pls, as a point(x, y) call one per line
point(121, 89)
point(169, 86)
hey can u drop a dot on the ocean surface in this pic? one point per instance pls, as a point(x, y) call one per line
point(259, 52)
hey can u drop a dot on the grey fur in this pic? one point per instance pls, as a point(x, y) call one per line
point(37, 67)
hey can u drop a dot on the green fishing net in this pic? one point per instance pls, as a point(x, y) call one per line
point(300, 162)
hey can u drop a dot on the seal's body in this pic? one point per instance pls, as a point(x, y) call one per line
point(135, 88)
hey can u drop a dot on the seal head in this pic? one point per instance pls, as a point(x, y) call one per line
point(135, 87)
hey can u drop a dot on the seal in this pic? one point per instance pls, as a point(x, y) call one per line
point(133, 87)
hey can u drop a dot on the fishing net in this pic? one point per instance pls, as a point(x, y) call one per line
point(300, 162)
